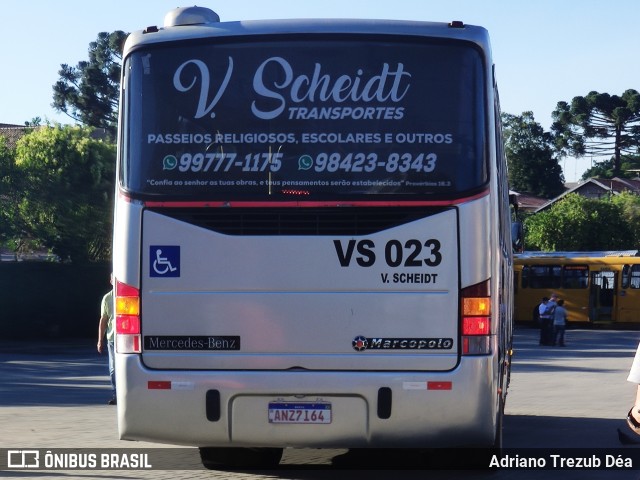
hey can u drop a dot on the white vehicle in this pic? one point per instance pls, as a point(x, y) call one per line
point(312, 239)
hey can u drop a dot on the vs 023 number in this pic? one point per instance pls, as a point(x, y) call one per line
point(411, 253)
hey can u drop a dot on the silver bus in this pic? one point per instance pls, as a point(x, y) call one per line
point(312, 242)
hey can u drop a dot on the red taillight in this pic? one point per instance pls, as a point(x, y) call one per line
point(127, 324)
point(476, 325)
point(475, 307)
point(127, 319)
point(124, 290)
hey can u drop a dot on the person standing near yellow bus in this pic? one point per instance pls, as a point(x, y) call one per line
point(559, 324)
point(106, 330)
point(545, 310)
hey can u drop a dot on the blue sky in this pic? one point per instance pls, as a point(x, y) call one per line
point(545, 50)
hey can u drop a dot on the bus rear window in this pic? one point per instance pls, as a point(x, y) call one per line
point(308, 118)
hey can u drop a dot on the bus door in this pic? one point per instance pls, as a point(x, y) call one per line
point(602, 296)
point(628, 298)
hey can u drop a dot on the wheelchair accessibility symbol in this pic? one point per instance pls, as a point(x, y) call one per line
point(164, 261)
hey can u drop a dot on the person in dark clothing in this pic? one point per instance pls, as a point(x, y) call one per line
point(546, 309)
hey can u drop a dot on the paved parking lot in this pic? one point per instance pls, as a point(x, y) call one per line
point(54, 396)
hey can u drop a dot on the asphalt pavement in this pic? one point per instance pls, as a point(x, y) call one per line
point(53, 394)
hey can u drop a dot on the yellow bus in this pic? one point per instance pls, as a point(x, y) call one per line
point(597, 287)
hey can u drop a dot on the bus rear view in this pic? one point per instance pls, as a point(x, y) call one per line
point(312, 242)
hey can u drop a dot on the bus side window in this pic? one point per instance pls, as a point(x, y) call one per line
point(543, 276)
point(635, 277)
point(575, 276)
point(556, 276)
point(626, 270)
point(584, 281)
point(537, 276)
point(525, 276)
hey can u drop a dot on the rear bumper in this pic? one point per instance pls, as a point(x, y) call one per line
point(424, 410)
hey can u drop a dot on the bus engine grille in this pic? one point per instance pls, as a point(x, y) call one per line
point(297, 221)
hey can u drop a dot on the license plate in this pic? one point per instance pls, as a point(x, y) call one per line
point(299, 412)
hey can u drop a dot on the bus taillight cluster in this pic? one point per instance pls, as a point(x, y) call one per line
point(127, 319)
point(476, 319)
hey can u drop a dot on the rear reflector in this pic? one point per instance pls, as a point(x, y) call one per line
point(156, 385)
point(439, 385)
point(169, 385)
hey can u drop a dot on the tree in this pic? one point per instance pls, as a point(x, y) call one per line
point(14, 233)
point(630, 166)
point(599, 124)
point(8, 193)
point(88, 93)
point(579, 223)
point(34, 122)
point(67, 191)
point(629, 204)
point(533, 167)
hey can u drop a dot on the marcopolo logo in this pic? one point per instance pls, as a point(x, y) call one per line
point(361, 343)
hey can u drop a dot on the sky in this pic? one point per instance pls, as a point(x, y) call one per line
point(545, 51)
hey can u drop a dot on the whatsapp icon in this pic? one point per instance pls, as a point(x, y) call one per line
point(305, 162)
point(169, 163)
